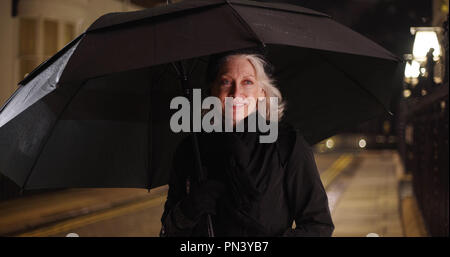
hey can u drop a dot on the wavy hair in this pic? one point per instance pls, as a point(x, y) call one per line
point(263, 78)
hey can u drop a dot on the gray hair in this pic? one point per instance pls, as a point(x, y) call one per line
point(265, 81)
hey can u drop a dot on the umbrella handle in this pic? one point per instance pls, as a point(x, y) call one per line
point(210, 226)
point(201, 177)
point(184, 81)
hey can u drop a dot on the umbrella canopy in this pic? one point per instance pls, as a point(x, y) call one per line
point(97, 113)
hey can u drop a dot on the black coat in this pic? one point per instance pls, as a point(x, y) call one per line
point(269, 187)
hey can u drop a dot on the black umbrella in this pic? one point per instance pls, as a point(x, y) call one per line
point(97, 113)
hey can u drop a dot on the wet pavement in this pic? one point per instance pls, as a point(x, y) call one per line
point(361, 185)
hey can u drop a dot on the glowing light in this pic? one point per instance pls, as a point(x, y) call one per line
point(330, 143)
point(412, 70)
point(362, 143)
point(406, 93)
point(425, 39)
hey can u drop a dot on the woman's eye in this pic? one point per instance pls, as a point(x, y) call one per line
point(248, 82)
point(225, 82)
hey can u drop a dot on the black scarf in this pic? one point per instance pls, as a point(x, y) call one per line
point(242, 159)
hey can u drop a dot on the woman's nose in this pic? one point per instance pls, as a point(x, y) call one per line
point(235, 90)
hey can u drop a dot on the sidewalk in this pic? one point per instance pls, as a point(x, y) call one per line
point(29, 213)
point(370, 203)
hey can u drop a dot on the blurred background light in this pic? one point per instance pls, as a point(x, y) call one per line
point(412, 69)
point(425, 38)
point(362, 143)
point(406, 93)
point(330, 143)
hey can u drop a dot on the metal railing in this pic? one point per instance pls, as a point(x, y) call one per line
point(423, 133)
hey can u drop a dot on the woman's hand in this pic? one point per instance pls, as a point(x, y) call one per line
point(202, 199)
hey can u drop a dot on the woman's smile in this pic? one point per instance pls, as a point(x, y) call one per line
point(239, 103)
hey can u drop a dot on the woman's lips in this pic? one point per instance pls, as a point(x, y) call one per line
point(239, 102)
point(238, 106)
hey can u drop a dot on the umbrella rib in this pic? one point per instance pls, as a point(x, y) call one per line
point(246, 24)
point(149, 137)
point(49, 61)
point(357, 83)
point(194, 65)
point(11, 97)
point(47, 138)
point(318, 14)
point(176, 69)
point(99, 27)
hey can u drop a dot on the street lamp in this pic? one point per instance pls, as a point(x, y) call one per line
point(425, 60)
point(426, 42)
point(425, 38)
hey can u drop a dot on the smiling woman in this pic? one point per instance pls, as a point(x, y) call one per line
point(245, 77)
point(252, 188)
point(239, 87)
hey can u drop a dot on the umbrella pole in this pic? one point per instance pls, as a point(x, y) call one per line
point(201, 176)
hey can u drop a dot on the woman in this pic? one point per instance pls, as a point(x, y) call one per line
point(253, 189)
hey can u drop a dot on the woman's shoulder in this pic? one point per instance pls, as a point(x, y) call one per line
point(287, 137)
point(291, 139)
point(287, 132)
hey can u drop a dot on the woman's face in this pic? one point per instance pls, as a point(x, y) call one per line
point(237, 79)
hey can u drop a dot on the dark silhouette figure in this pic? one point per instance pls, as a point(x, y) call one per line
point(430, 65)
